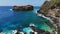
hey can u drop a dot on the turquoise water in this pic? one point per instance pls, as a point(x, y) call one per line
point(11, 20)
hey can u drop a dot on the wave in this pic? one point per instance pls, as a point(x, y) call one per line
point(41, 15)
point(10, 9)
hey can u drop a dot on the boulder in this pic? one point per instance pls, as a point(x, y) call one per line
point(23, 8)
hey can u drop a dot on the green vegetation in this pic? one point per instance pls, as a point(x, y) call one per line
point(49, 4)
point(58, 14)
point(58, 4)
point(53, 9)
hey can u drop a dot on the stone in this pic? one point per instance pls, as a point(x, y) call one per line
point(23, 8)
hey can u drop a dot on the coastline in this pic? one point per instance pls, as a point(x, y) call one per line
point(51, 9)
point(51, 24)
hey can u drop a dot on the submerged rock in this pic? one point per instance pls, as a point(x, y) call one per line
point(23, 8)
point(39, 31)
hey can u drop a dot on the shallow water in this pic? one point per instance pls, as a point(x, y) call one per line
point(11, 20)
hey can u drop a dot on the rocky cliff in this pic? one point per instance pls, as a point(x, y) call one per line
point(51, 9)
point(23, 8)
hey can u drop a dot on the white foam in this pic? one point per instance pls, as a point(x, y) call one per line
point(10, 9)
point(38, 14)
point(14, 31)
point(43, 16)
point(31, 25)
point(2, 33)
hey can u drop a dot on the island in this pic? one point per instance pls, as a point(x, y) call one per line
point(23, 8)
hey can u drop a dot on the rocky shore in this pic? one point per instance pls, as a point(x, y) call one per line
point(53, 12)
point(23, 8)
point(39, 31)
point(50, 9)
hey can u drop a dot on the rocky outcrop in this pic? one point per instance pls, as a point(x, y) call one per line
point(52, 10)
point(39, 31)
point(23, 8)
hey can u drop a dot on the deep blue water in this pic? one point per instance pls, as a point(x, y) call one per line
point(10, 20)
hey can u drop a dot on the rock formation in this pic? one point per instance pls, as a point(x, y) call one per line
point(39, 31)
point(51, 9)
point(23, 8)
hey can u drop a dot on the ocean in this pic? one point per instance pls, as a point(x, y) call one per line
point(12, 20)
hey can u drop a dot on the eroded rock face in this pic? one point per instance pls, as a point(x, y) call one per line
point(23, 8)
point(52, 11)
